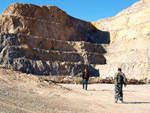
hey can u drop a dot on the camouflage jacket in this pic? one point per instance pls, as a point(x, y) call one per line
point(122, 74)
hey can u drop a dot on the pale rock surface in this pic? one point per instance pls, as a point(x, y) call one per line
point(44, 21)
point(44, 40)
point(129, 41)
point(54, 43)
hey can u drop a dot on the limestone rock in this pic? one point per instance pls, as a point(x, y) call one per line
point(45, 40)
point(39, 56)
point(46, 22)
point(129, 41)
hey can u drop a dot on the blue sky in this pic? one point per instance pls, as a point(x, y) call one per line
point(89, 10)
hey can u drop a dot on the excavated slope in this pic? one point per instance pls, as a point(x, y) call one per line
point(129, 41)
point(44, 40)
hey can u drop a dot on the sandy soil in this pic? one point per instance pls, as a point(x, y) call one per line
point(24, 93)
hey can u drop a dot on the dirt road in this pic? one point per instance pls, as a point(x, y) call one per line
point(24, 93)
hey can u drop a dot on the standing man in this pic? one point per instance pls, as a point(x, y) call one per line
point(119, 79)
point(85, 77)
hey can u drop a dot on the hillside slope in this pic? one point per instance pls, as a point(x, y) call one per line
point(129, 41)
point(44, 40)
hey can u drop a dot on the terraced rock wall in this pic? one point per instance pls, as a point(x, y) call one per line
point(44, 40)
point(129, 41)
point(40, 56)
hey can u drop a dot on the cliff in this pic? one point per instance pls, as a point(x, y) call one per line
point(129, 41)
point(44, 40)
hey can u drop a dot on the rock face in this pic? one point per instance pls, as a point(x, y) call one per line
point(44, 40)
point(130, 41)
point(47, 22)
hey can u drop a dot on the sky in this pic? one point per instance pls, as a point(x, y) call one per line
point(88, 10)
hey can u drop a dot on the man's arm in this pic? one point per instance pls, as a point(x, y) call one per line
point(115, 76)
point(88, 76)
point(83, 75)
point(124, 79)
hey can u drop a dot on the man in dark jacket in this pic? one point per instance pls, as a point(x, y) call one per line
point(85, 77)
point(119, 79)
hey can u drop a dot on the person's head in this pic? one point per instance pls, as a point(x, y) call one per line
point(85, 70)
point(119, 69)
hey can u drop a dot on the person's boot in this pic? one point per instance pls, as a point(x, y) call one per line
point(121, 100)
point(116, 101)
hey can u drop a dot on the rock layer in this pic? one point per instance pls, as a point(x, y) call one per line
point(46, 56)
point(47, 22)
point(130, 37)
point(44, 40)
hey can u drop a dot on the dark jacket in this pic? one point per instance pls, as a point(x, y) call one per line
point(86, 75)
point(123, 75)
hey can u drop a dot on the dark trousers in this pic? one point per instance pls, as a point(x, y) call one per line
point(85, 82)
point(118, 92)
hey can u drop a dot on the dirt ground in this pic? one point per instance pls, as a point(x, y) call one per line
point(25, 93)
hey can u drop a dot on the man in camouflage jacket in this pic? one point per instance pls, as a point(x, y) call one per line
point(119, 80)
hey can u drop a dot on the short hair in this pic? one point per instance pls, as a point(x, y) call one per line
point(119, 69)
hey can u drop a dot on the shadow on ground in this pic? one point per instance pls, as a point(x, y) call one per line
point(136, 102)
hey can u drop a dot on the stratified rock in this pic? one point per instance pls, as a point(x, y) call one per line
point(40, 56)
point(46, 22)
point(129, 41)
point(44, 40)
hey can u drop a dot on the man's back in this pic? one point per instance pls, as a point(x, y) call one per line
point(86, 75)
point(120, 78)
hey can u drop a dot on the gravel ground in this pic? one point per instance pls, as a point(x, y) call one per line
point(25, 93)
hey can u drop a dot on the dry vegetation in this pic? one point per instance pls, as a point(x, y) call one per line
point(93, 80)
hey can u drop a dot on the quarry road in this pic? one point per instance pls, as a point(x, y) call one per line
point(25, 93)
point(101, 97)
